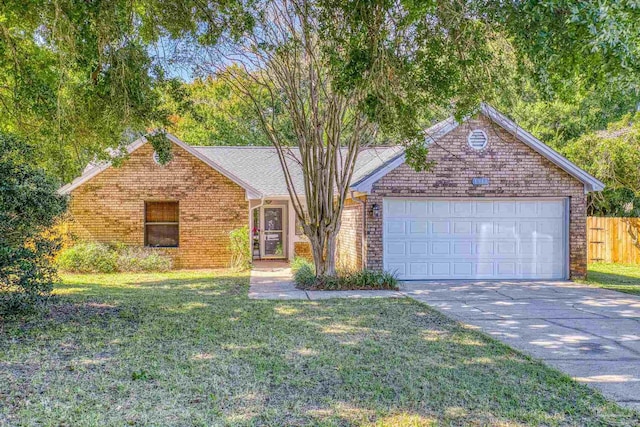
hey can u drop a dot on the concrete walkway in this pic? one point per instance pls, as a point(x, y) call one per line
point(591, 334)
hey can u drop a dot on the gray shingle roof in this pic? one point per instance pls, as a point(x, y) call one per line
point(260, 166)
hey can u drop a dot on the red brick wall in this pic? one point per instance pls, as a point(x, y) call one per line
point(514, 170)
point(349, 242)
point(110, 207)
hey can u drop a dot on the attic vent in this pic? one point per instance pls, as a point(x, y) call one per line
point(477, 139)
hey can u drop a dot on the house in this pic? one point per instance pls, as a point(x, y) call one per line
point(498, 204)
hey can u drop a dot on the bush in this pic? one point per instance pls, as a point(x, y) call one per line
point(101, 258)
point(299, 262)
point(142, 259)
point(88, 258)
point(29, 205)
point(305, 278)
point(240, 248)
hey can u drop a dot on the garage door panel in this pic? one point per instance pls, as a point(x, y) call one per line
point(504, 209)
point(419, 269)
point(395, 227)
point(441, 208)
point(505, 229)
point(526, 229)
point(418, 209)
point(549, 209)
point(488, 238)
point(395, 208)
point(396, 248)
point(527, 209)
point(463, 269)
point(463, 248)
point(483, 228)
point(462, 209)
point(484, 248)
point(462, 227)
point(418, 248)
point(440, 227)
point(418, 227)
point(549, 228)
point(442, 269)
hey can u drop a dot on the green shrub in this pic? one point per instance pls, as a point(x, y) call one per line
point(240, 248)
point(305, 278)
point(299, 262)
point(142, 259)
point(29, 206)
point(101, 258)
point(88, 258)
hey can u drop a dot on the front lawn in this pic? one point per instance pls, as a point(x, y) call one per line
point(617, 277)
point(189, 348)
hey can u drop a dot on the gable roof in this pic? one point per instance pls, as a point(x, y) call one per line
point(261, 165)
point(444, 127)
point(95, 169)
point(256, 169)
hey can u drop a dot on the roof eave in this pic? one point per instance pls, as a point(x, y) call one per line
point(365, 184)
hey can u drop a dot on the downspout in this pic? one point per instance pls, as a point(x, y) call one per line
point(363, 232)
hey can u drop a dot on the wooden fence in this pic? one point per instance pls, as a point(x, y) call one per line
point(613, 240)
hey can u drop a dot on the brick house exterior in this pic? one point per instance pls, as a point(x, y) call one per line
point(513, 169)
point(110, 207)
point(349, 255)
point(219, 189)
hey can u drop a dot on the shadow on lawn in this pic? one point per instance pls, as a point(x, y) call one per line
point(616, 282)
point(227, 359)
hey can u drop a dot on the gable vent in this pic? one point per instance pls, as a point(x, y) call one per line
point(477, 139)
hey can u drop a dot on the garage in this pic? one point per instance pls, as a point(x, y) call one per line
point(440, 239)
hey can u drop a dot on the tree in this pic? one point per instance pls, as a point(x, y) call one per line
point(29, 204)
point(76, 77)
point(210, 111)
point(292, 74)
point(612, 156)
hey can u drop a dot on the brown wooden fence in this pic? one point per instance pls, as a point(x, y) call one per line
point(613, 240)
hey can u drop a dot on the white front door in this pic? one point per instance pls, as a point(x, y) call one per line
point(274, 231)
point(475, 238)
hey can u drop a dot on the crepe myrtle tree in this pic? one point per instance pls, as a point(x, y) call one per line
point(282, 69)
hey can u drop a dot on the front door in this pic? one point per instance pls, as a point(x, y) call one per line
point(274, 232)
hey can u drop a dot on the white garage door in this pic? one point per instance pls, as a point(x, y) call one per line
point(475, 238)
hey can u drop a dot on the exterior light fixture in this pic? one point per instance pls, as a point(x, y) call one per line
point(375, 210)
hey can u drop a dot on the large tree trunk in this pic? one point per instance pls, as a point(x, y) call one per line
point(323, 248)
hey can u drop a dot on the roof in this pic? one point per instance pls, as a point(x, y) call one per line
point(261, 166)
point(94, 169)
point(444, 127)
point(258, 169)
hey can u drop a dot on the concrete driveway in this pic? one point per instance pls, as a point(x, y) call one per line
point(589, 333)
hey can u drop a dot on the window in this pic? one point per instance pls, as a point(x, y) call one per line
point(477, 139)
point(161, 224)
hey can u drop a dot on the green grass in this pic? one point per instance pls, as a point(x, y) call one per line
point(189, 348)
point(617, 277)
